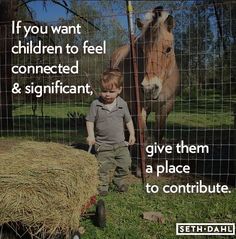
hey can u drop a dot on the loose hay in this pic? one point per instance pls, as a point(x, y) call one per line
point(44, 186)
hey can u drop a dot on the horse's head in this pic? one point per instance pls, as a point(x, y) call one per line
point(157, 45)
point(156, 41)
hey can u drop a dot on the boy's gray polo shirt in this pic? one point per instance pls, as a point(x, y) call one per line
point(109, 125)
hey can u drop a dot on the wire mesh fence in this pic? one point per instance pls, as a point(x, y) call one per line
point(204, 109)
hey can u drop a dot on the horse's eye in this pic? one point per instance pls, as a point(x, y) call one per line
point(168, 49)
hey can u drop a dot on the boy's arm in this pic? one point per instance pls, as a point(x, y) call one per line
point(90, 119)
point(130, 127)
point(90, 130)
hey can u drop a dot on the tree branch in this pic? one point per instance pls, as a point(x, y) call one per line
point(76, 14)
point(24, 3)
point(219, 25)
point(28, 9)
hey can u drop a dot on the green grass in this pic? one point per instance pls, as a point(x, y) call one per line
point(198, 120)
point(55, 110)
point(124, 212)
point(184, 113)
point(54, 124)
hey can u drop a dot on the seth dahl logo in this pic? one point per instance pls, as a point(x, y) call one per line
point(205, 229)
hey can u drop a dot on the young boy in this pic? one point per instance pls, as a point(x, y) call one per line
point(105, 127)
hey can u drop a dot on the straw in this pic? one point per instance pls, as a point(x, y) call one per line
point(44, 186)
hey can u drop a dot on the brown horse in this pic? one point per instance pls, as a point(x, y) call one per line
point(157, 69)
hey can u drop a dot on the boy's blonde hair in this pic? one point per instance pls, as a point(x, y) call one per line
point(111, 78)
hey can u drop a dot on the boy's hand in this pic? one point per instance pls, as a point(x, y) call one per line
point(130, 127)
point(131, 139)
point(91, 140)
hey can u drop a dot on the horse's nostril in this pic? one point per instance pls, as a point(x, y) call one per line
point(156, 87)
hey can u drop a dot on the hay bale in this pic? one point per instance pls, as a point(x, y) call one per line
point(45, 185)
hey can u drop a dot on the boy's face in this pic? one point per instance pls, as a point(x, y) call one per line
point(109, 95)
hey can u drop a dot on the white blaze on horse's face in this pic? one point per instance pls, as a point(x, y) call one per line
point(157, 41)
point(152, 88)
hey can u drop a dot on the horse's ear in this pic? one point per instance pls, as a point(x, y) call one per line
point(158, 10)
point(139, 23)
point(170, 23)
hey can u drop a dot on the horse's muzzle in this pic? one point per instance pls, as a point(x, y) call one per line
point(151, 92)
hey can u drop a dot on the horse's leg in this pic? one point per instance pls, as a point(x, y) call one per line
point(144, 115)
point(145, 112)
point(158, 122)
point(162, 113)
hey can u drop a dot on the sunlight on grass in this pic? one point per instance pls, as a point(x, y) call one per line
point(184, 119)
point(59, 110)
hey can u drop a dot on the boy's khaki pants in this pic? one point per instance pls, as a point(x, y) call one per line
point(113, 159)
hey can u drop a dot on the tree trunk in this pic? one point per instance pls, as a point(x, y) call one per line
point(7, 14)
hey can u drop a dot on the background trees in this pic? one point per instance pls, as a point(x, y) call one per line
point(7, 14)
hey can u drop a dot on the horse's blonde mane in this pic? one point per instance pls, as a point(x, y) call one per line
point(119, 55)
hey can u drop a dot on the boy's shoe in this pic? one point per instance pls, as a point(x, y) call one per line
point(123, 188)
point(103, 193)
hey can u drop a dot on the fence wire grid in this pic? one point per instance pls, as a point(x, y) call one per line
point(205, 108)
